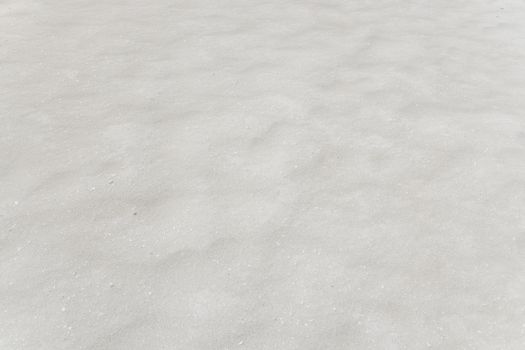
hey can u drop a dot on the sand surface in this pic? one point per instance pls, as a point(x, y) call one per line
point(262, 175)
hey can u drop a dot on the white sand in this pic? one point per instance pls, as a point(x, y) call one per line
point(263, 175)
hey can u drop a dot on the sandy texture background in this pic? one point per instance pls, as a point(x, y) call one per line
point(262, 175)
